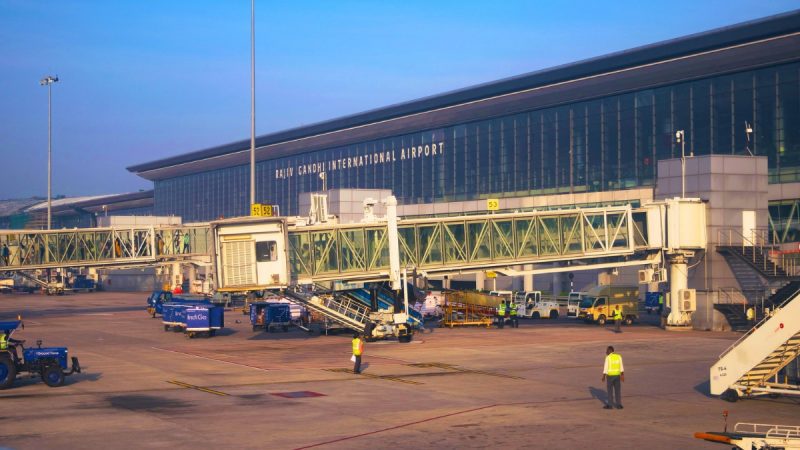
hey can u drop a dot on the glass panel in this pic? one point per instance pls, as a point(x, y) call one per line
point(571, 231)
point(353, 253)
point(300, 254)
point(408, 245)
point(479, 240)
point(325, 252)
point(527, 239)
point(549, 236)
point(455, 243)
point(377, 248)
point(430, 244)
point(503, 239)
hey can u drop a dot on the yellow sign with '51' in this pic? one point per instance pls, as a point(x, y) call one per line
point(492, 204)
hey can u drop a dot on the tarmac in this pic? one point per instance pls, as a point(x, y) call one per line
point(538, 386)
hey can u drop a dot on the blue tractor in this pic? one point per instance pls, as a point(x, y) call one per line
point(50, 363)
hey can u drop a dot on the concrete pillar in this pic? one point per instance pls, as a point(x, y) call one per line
point(192, 277)
point(557, 277)
point(480, 278)
point(446, 282)
point(176, 275)
point(527, 280)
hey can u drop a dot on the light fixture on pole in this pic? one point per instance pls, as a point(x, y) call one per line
point(748, 131)
point(252, 102)
point(680, 138)
point(324, 181)
point(48, 81)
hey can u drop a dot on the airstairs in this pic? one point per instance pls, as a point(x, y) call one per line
point(752, 366)
point(345, 311)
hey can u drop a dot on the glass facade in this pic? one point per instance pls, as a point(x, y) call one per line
point(602, 144)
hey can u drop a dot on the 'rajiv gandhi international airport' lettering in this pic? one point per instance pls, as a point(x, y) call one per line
point(369, 159)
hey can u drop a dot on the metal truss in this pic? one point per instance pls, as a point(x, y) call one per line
point(92, 247)
point(361, 251)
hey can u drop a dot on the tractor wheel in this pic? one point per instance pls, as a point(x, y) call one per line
point(8, 372)
point(166, 327)
point(53, 376)
point(601, 320)
point(285, 328)
point(628, 320)
point(554, 314)
point(730, 395)
point(535, 315)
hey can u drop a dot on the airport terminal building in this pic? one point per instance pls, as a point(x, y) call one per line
point(586, 133)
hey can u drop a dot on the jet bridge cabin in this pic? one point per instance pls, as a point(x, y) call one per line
point(250, 254)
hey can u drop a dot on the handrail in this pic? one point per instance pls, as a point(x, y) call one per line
point(756, 326)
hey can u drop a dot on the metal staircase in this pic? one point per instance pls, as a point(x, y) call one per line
point(345, 311)
point(752, 365)
point(48, 288)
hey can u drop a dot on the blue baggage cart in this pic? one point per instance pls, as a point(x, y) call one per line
point(204, 319)
point(651, 301)
point(174, 316)
point(277, 315)
point(258, 315)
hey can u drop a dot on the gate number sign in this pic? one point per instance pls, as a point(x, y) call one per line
point(492, 204)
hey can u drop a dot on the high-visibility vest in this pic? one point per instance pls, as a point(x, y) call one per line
point(3, 341)
point(751, 313)
point(513, 307)
point(501, 310)
point(617, 314)
point(358, 346)
point(660, 299)
point(614, 364)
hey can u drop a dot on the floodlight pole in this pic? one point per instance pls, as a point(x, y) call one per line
point(252, 102)
point(48, 81)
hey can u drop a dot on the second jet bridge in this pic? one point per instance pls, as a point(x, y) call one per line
point(380, 249)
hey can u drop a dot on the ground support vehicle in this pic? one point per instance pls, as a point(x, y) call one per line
point(756, 436)
point(258, 315)
point(204, 320)
point(50, 363)
point(469, 308)
point(531, 305)
point(157, 300)
point(651, 302)
point(600, 302)
point(83, 283)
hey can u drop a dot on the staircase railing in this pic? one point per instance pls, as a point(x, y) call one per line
point(754, 328)
point(761, 251)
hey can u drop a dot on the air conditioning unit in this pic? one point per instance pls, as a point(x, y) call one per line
point(660, 275)
point(688, 301)
point(645, 276)
point(652, 276)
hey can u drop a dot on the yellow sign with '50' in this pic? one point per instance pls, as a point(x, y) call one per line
point(492, 204)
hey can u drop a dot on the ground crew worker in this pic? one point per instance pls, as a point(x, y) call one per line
point(358, 350)
point(3, 341)
point(501, 314)
point(660, 303)
point(617, 319)
point(751, 315)
point(512, 306)
point(613, 375)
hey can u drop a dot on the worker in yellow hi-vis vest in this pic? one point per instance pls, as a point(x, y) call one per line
point(501, 314)
point(614, 376)
point(358, 350)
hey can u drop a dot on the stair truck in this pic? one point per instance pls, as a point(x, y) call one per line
point(252, 254)
point(600, 302)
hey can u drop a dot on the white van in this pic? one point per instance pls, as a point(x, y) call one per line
point(531, 305)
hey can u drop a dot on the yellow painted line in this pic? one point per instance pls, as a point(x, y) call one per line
point(375, 377)
point(198, 388)
point(461, 370)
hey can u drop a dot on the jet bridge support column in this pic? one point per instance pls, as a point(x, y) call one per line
point(679, 280)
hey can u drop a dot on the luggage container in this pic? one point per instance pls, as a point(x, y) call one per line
point(277, 315)
point(204, 320)
point(174, 316)
point(258, 315)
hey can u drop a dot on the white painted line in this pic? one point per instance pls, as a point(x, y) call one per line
point(211, 359)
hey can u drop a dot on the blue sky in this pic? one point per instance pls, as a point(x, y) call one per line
point(142, 80)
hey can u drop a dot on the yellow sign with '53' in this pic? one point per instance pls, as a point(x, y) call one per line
point(492, 204)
